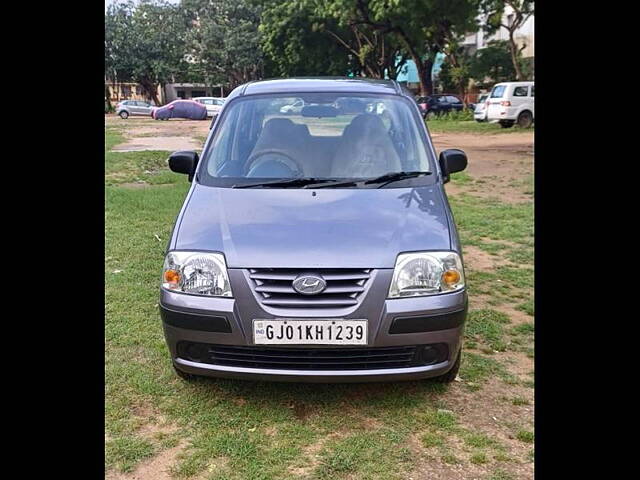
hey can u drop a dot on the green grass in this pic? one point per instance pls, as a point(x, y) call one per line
point(448, 125)
point(488, 326)
point(365, 455)
point(501, 474)
point(525, 436)
point(527, 307)
point(125, 452)
point(480, 219)
point(478, 458)
point(112, 137)
point(149, 166)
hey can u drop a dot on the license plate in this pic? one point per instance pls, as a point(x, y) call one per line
point(310, 332)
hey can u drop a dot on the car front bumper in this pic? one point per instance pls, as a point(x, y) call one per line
point(418, 321)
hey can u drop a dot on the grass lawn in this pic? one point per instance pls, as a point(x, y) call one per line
point(469, 126)
point(229, 429)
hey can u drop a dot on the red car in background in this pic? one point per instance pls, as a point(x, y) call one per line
point(188, 109)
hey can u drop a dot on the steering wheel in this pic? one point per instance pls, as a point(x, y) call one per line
point(262, 157)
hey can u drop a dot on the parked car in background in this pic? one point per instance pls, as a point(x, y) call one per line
point(295, 107)
point(510, 103)
point(435, 105)
point(316, 249)
point(480, 110)
point(133, 107)
point(212, 104)
point(181, 109)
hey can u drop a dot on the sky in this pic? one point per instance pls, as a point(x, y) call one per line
point(109, 2)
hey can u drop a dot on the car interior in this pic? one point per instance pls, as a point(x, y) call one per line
point(373, 141)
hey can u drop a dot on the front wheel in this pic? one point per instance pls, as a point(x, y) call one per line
point(124, 115)
point(451, 375)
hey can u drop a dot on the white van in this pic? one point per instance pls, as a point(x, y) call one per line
point(511, 102)
point(213, 104)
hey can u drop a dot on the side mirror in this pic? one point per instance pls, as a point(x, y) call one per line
point(451, 161)
point(184, 162)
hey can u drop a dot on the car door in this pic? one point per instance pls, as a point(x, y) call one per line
point(498, 93)
point(454, 103)
point(520, 100)
point(533, 103)
point(134, 108)
point(442, 105)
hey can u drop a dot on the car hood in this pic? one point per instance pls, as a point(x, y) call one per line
point(299, 228)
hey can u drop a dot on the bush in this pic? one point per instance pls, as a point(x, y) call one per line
point(463, 115)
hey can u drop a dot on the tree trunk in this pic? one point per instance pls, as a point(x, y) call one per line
point(151, 89)
point(107, 96)
point(514, 55)
point(424, 75)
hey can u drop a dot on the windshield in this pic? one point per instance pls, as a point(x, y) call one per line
point(319, 136)
point(498, 91)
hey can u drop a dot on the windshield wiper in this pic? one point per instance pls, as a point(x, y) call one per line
point(329, 182)
point(393, 177)
point(292, 182)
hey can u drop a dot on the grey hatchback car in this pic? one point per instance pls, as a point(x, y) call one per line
point(316, 246)
point(133, 107)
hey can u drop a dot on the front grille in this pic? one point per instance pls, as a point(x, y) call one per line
point(287, 358)
point(274, 287)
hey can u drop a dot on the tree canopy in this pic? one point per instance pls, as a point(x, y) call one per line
point(229, 42)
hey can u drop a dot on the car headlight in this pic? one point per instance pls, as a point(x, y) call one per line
point(426, 273)
point(196, 273)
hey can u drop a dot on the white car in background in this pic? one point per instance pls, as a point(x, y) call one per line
point(213, 104)
point(293, 108)
point(480, 110)
point(511, 102)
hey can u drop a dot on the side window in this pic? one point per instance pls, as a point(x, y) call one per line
point(452, 99)
point(532, 89)
point(442, 99)
point(521, 91)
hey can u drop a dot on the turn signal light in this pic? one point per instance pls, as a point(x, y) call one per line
point(451, 277)
point(172, 277)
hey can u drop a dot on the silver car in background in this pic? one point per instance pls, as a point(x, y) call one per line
point(133, 107)
point(480, 112)
point(213, 104)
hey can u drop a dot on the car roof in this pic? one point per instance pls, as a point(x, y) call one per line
point(318, 84)
point(514, 83)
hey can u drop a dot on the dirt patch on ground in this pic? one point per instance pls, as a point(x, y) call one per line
point(500, 165)
point(146, 134)
point(477, 259)
point(155, 468)
point(137, 144)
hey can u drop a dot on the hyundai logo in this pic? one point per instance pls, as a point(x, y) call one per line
point(309, 284)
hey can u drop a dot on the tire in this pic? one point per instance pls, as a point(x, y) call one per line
point(124, 114)
point(184, 375)
point(451, 375)
point(506, 124)
point(525, 119)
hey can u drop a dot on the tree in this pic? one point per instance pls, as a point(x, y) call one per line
point(224, 40)
point(522, 10)
point(455, 72)
point(423, 28)
point(378, 52)
point(492, 64)
point(296, 41)
point(144, 43)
